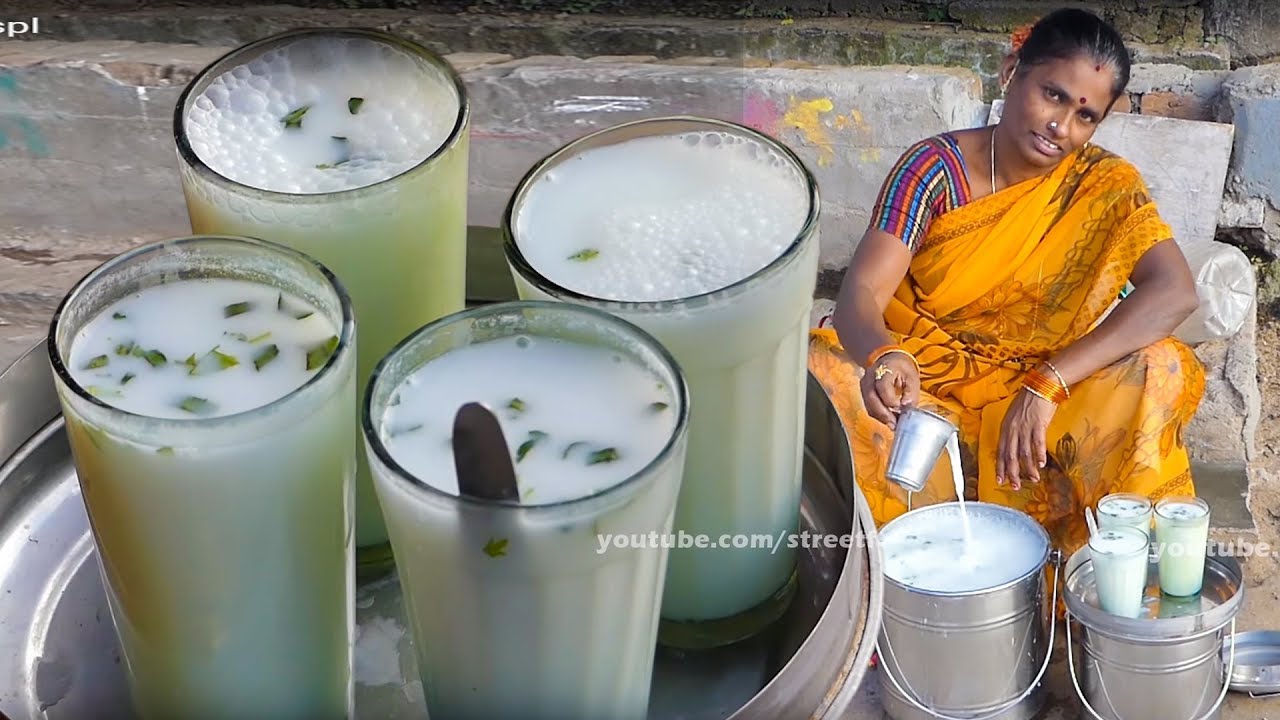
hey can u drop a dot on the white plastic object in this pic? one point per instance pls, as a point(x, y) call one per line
point(1227, 286)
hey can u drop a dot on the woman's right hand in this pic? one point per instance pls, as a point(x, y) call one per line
point(898, 386)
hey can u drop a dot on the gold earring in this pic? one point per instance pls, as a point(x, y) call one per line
point(1004, 87)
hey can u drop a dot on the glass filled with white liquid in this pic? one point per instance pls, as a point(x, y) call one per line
point(705, 234)
point(1182, 537)
point(208, 385)
point(1125, 509)
point(545, 606)
point(1120, 562)
point(351, 146)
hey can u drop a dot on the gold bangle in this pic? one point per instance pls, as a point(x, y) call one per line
point(892, 350)
point(879, 353)
point(1039, 394)
point(1044, 387)
point(1065, 388)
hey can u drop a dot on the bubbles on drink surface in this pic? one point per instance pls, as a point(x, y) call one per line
point(1124, 507)
point(577, 419)
point(663, 217)
point(1182, 511)
point(1112, 541)
point(929, 552)
point(322, 115)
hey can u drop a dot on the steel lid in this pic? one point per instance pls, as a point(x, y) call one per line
point(1163, 617)
point(1256, 668)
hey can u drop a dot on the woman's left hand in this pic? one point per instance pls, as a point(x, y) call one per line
point(1022, 452)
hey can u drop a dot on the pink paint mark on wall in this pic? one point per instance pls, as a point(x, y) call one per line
point(761, 114)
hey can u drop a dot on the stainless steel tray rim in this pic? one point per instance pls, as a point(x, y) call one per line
point(1222, 573)
point(74, 571)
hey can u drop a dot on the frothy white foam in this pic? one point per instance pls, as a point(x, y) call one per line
point(1115, 542)
point(1123, 507)
point(577, 419)
point(1182, 511)
point(662, 218)
point(372, 111)
point(200, 348)
point(928, 551)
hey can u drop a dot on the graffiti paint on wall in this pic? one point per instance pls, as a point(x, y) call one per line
point(816, 119)
point(15, 127)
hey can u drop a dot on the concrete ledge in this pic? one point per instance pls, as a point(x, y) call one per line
point(848, 124)
point(78, 117)
point(743, 30)
point(1225, 486)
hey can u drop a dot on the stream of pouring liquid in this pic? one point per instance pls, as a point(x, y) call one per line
point(957, 479)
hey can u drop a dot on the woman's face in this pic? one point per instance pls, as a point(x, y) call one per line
point(1053, 108)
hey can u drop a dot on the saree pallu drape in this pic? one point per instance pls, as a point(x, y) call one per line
point(998, 285)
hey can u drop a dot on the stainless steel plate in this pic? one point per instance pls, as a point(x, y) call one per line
point(60, 659)
point(1257, 662)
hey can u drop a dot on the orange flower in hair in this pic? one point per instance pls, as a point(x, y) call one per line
point(1020, 36)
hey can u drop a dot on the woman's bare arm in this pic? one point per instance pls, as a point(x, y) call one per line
point(879, 263)
point(1164, 295)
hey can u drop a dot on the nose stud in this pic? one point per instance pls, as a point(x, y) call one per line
point(1053, 124)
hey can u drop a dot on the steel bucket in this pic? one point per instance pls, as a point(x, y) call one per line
point(919, 437)
point(930, 642)
point(1166, 663)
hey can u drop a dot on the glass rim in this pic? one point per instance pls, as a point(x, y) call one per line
point(228, 60)
point(1124, 530)
point(345, 331)
point(1184, 500)
point(1137, 497)
point(603, 138)
point(379, 449)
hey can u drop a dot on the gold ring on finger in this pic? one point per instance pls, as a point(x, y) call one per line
point(881, 371)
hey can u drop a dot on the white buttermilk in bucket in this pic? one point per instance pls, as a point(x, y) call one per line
point(964, 626)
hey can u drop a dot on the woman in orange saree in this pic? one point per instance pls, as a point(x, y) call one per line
point(995, 304)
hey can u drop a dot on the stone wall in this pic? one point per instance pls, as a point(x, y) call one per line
point(1245, 30)
point(970, 34)
point(1250, 99)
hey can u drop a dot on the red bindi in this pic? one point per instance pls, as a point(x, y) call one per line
point(1097, 68)
point(1081, 101)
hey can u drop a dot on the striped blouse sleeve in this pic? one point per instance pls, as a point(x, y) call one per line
point(914, 191)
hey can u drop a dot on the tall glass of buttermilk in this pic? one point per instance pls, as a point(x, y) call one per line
point(704, 233)
point(545, 606)
point(208, 385)
point(351, 146)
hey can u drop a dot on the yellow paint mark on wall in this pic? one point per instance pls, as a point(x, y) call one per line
point(853, 119)
point(806, 116)
point(813, 119)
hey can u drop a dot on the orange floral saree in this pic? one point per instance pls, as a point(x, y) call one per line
point(998, 285)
